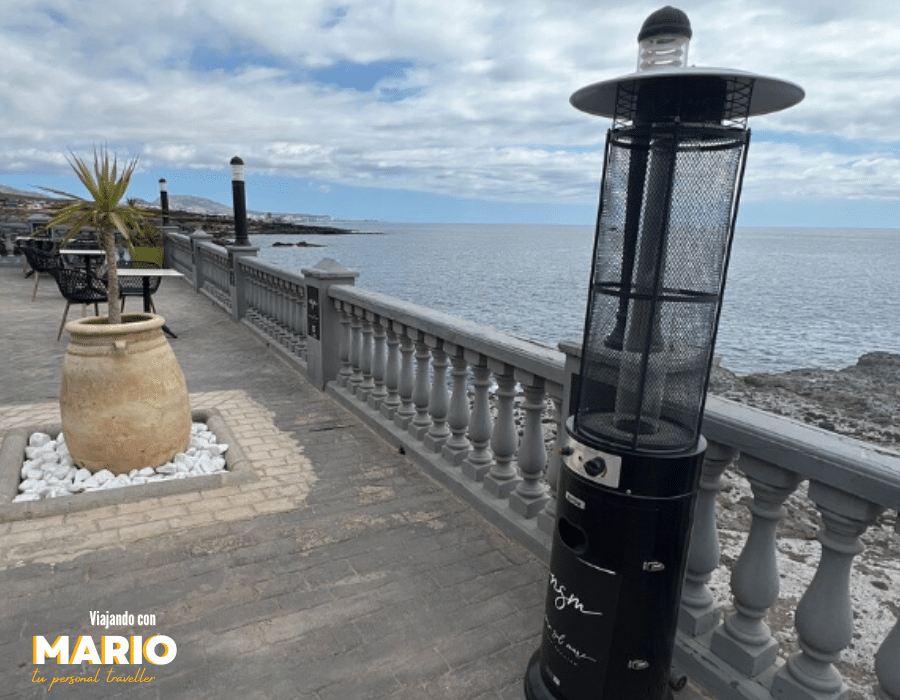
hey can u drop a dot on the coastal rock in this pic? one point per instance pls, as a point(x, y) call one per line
point(860, 401)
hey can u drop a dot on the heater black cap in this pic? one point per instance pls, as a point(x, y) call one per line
point(669, 20)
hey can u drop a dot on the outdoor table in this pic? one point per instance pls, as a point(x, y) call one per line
point(147, 273)
point(87, 253)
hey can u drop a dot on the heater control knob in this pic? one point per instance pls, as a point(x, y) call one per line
point(595, 467)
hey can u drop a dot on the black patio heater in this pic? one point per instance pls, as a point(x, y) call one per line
point(673, 166)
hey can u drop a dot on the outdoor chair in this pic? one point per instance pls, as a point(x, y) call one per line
point(134, 286)
point(78, 287)
point(40, 261)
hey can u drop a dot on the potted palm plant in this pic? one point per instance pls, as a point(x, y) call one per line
point(123, 399)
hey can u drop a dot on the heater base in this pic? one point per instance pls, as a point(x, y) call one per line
point(536, 689)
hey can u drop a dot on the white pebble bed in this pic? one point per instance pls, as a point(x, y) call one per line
point(49, 471)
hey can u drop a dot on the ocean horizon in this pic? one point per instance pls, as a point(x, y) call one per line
point(794, 297)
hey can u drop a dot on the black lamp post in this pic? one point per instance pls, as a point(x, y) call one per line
point(239, 197)
point(673, 166)
point(164, 201)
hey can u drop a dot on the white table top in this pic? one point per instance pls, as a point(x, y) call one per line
point(81, 251)
point(147, 272)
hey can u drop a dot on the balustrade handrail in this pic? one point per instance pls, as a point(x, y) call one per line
point(850, 465)
point(216, 250)
point(271, 269)
point(533, 358)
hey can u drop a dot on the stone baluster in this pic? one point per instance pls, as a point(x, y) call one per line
point(479, 460)
point(391, 373)
point(379, 362)
point(457, 446)
point(887, 668)
point(422, 421)
point(546, 519)
point(824, 617)
point(439, 403)
point(699, 611)
point(368, 383)
point(346, 370)
point(407, 410)
point(355, 351)
point(502, 477)
point(530, 495)
point(300, 306)
point(744, 640)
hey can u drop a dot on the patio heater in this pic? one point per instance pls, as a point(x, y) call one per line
point(674, 162)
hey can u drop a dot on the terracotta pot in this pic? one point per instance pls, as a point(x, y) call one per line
point(124, 400)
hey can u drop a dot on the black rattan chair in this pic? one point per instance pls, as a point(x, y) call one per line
point(40, 261)
point(78, 287)
point(134, 286)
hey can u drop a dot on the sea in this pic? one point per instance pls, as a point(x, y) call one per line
point(794, 297)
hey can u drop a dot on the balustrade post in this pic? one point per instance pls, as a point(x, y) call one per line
point(503, 477)
point(197, 237)
point(379, 360)
point(421, 391)
point(699, 611)
point(530, 495)
point(546, 519)
point(438, 403)
point(479, 460)
point(237, 286)
point(457, 445)
point(355, 351)
point(407, 410)
point(391, 373)
point(346, 370)
point(887, 668)
point(744, 640)
point(824, 617)
point(325, 323)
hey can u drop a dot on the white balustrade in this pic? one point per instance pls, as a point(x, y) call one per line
point(478, 462)
point(407, 410)
point(503, 476)
point(420, 424)
point(391, 402)
point(439, 401)
point(457, 446)
point(887, 658)
point(699, 611)
point(367, 384)
point(346, 370)
point(530, 494)
point(379, 361)
point(745, 641)
point(824, 616)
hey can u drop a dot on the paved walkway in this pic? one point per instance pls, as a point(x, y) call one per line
point(342, 572)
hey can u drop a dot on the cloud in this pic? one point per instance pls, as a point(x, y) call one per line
point(447, 98)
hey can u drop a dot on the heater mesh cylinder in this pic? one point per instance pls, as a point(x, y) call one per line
point(663, 237)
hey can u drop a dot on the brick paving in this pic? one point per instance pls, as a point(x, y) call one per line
point(341, 572)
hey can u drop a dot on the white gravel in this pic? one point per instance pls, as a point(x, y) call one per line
point(49, 471)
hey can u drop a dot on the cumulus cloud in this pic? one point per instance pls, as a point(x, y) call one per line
point(472, 99)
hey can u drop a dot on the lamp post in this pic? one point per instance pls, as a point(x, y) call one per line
point(239, 197)
point(674, 162)
point(164, 201)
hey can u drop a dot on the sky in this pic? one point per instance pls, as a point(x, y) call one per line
point(416, 110)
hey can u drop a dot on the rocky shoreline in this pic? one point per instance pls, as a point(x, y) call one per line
point(861, 401)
